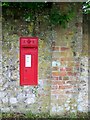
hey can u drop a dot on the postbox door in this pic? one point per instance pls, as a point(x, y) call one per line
point(29, 66)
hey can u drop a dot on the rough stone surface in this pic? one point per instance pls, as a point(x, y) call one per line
point(63, 70)
point(14, 97)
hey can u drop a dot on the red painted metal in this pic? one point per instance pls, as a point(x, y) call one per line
point(28, 61)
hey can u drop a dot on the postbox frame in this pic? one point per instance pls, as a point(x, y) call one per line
point(33, 51)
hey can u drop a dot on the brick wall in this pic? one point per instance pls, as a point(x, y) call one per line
point(64, 80)
point(67, 95)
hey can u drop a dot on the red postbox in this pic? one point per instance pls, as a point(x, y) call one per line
point(28, 61)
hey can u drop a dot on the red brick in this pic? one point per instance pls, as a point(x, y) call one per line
point(62, 69)
point(68, 69)
point(64, 48)
point(70, 74)
point(59, 48)
point(55, 78)
point(58, 82)
point(63, 73)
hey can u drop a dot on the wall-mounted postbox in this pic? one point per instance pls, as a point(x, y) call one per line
point(28, 61)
